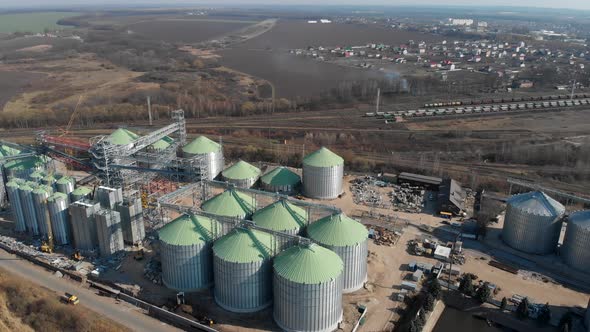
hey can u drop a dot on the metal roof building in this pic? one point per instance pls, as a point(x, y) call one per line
point(243, 270)
point(231, 203)
point(307, 289)
point(281, 216)
point(451, 197)
point(323, 173)
point(185, 250)
point(575, 250)
point(532, 223)
point(349, 239)
point(429, 182)
point(210, 150)
point(281, 180)
point(241, 174)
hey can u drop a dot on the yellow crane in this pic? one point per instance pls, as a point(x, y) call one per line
point(66, 130)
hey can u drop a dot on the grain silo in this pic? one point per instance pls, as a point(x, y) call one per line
point(577, 238)
point(231, 203)
point(108, 197)
point(108, 231)
point(59, 216)
point(40, 195)
point(281, 180)
point(307, 289)
point(65, 185)
point(80, 193)
point(349, 239)
point(49, 180)
point(25, 192)
point(132, 223)
point(83, 220)
point(210, 151)
point(323, 172)
point(12, 188)
point(22, 168)
point(37, 176)
point(241, 174)
point(281, 216)
point(185, 245)
point(532, 223)
point(242, 270)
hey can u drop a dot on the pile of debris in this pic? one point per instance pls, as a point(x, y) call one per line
point(407, 198)
point(364, 193)
point(153, 271)
point(54, 259)
point(384, 237)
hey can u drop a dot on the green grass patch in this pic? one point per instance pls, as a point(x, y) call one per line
point(33, 22)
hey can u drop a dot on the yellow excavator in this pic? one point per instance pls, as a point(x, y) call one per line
point(47, 244)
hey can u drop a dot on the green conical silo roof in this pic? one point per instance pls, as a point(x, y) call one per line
point(38, 174)
point(7, 151)
point(323, 158)
point(12, 183)
point(26, 186)
point(280, 216)
point(57, 195)
point(240, 171)
point(65, 180)
point(230, 203)
point(81, 191)
point(281, 176)
point(49, 178)
point(42, 190)
point(189, 230)
point(122, 136)
point(337, 230)
point(245, 246)
point(201, 145)
point(308, 264)
point(25, 163)
point(162, 144)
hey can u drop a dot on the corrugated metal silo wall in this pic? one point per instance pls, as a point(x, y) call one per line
point(132, 221)
point(530, 233)
point(26, 201)
point(575, 251)
point(286, 189)
point(311, 308)
point(108, 229)
point(17, 210)
point(322, 182)
point(214, 161)
point(355, 265)
point(40, 204)
point(65, 188)
point(84, 226)
point(186, 268)
point(60, 221)
point(242, 183)
point(242, 287)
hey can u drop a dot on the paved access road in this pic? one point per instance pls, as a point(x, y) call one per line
point(122, 312)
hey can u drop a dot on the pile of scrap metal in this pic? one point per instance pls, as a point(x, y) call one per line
point(384, 237)
point(364, 193)
point(407, 198)
point(153, 271)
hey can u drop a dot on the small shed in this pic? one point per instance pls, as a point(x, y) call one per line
point(443, 253)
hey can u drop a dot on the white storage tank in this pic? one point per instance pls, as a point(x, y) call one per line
point(281, 216)
point(58, 204)
point(323, 173)
point(40, 195)
point(575, 249)
point(533, 223)
point(210, 151)
point(349, 239)
point(185, 251)
point(243, 270)
point(307, 289)
point(12, 188)
point(241, 174)
point(25, 192)
point(281, 180)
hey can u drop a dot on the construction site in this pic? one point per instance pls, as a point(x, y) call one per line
point(165, 222)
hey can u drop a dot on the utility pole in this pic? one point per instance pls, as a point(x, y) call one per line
point(378, 100)
point(573, 88)
point(149, 105)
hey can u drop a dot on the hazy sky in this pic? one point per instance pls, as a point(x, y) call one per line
point(573, 4)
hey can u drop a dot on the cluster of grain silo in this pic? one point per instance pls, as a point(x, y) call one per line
point(243, 270)
point(323, 173)
point(533, 223)
point(347, 238)
point(210, 151)
point(241, 174)
point(281, 180)
point(185, 251)
point(132, 224)
point(577, 238)
point(231, 203)
point(109, 232)
point(281, 216)
point(307, 288)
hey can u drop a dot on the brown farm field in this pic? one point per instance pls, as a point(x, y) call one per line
point(13, 83)
point(186, 30)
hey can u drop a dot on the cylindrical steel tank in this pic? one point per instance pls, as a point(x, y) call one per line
point(12, 188)
point(80, 193)
point(40, 195)
point(281, 216)
point(323, 173)
point(210, 152)
point(231, 203)
point(185, 245)
point(49, 180)
point(37, 176)
point(307, 289)
point(65, 185)
point(575, 250)
point(281, 180)
point(58, 204)
point(532, 223)
point(242, 270)
point(349, 239)
point(241, 174)
point(25, 192)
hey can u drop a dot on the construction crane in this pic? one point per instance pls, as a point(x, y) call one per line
point(66, 131)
